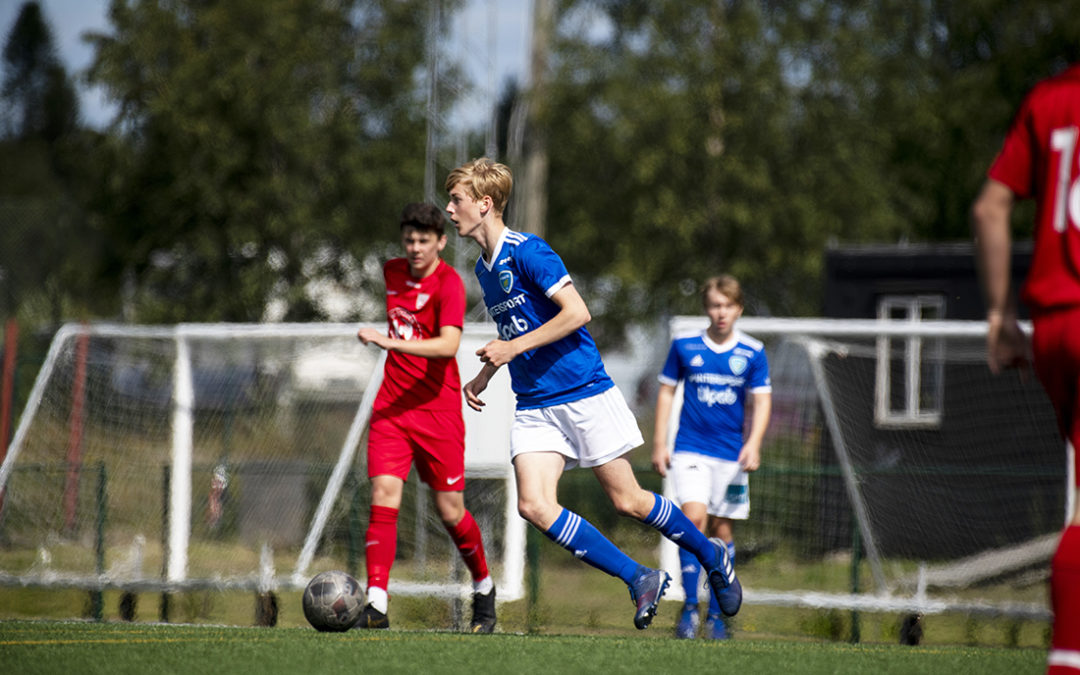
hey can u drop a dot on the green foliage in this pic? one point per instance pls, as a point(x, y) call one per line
point(260, 145)
point(44, 235)
point(694, 137)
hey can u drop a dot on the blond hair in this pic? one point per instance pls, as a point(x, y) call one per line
point(726, 285)
point(482, 177)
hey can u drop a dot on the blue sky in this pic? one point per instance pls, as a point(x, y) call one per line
point(492, 36)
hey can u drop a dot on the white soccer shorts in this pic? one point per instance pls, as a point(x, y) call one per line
point(722, 486)
point(588, 432)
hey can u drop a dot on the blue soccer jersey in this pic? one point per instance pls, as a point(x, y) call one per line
point(517, 285)
point(716, 379)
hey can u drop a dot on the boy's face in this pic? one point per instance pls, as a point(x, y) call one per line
point(465, 212)
point(722, 313)
point(422, 249)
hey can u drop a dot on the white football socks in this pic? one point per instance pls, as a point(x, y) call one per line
point(484, 586)
point(378, 598)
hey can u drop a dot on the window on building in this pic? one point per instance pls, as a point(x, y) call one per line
point(910, 378)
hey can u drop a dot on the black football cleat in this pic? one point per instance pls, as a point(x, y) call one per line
point(371, 618)
point(483, 613)
point(646, 591)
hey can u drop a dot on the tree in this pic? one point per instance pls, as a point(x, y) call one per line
point(39, 99)
point(43, 232)
point(695, 137)
point(260, 146)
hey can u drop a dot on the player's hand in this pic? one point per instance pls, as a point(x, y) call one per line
point(472, 391)
point(1007, 346)
point(497, 353)
point(371, 336)
point(750, 458)
point(661, 458)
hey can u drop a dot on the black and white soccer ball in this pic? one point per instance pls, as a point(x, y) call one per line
point(333, 601)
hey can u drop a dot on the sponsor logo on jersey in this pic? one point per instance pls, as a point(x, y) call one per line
point(697, 361)
point(507, 304)
point(738, 364)
point(506, 280)
point(710, 396)
point(412, 284)
point(506, 261)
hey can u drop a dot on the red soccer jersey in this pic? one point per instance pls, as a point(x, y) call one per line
point(416, 309)
point(1039, 159)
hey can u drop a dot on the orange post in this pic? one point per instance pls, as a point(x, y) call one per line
point(11, 341)
point(7, 389)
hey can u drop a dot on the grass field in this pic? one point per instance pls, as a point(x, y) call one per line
point(28, 647)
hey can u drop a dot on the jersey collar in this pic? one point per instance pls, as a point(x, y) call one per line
point(497, 250)
point(719, 348)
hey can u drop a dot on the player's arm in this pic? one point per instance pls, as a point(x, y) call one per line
point(444, 345)
point(474, 387)
point(1006, 344)
point(750, 455)
point(661, 454)
point(572, 314)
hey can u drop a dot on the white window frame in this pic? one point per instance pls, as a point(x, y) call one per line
point(915, 413)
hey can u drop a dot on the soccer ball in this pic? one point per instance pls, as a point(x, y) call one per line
point(333, 601)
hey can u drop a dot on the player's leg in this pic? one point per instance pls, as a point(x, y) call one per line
point(1057, 363)
point(630, 499)
point(380, 548)
point(716, 624)
point(439, 439)
point(1064, 654)
point(728, 501)
point(537, 475)
point(691, 479)
point(389, 459)
point(690, 571)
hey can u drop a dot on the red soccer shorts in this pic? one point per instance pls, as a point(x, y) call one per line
point(1056, 347)
point(433, 440)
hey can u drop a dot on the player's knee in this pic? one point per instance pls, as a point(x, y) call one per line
point(536, 511)
point(630, 505)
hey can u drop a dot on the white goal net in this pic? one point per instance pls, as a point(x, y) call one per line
point(898, 474)
point(230, 457)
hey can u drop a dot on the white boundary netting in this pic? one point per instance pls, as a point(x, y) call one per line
point(897, 475)
point(229, 456)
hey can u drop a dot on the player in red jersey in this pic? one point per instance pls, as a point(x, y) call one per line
point(417, 415)
point(1039, 160)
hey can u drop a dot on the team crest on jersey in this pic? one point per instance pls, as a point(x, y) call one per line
point(404, 325)
point(506, 280)
point(737, 364)
point(421, 300)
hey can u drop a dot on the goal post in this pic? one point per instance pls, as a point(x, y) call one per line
point(897, 473)
point(233, 451)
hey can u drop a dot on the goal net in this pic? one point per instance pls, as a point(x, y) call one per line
point(897, 473)
point(230, 457)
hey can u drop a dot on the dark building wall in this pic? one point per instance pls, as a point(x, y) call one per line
point(857, 276)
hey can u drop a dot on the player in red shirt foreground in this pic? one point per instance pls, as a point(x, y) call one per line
point(417, 415)
point(1039, 161)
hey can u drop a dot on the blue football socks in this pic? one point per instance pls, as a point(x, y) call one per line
point(691, 573)
point(673, 524)
point(578, 536)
